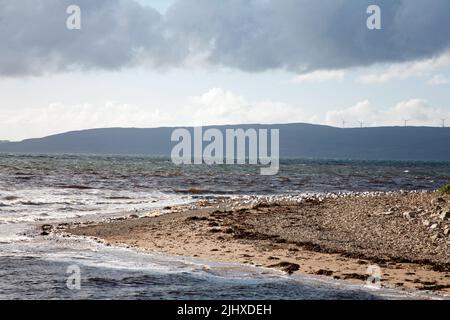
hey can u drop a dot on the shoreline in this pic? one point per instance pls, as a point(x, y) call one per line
point(404, 234)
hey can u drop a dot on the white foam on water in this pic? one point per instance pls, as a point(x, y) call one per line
point(48, 204)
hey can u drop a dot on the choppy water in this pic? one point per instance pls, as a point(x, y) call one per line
point(39, 189)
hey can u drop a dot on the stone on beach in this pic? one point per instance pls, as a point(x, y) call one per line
point(445, 215)
point(438, 201)
point(409, 214)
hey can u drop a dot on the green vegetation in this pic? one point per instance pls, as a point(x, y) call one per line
point(445, 189)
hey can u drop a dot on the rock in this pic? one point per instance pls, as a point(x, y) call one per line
point(426, 223)
point(434, 226)
point(323, 272)
point(446, 231)
point(438, 201)
point(434, 237)
point(47, 227)
point(445, 215)
point(409, 214)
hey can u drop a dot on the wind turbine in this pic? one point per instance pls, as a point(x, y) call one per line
point(443, 122)
point(361, 124)
point(406, 122)
point(343, 123)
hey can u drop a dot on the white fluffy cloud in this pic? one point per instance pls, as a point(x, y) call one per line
point(439, 80)
point(218, 106)
point(57, 117)
point(406, 70)
point(417, 112)
point(214, 107)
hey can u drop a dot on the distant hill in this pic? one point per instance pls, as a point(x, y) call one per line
point(296, 140)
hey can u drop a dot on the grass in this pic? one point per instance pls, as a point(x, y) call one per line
point(444, 189)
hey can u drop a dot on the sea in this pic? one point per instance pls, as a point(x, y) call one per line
point(40, 189)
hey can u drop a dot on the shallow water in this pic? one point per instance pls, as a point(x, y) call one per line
point(47, 280)
point(39, 270)
point(45, 189)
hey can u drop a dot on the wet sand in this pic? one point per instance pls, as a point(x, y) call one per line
point(406, 235)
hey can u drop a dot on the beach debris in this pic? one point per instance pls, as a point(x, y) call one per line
point(436, 287)
point(357, 276)
point(196, 218)
point(228, 230)
point(287, 267)
point(323, 272)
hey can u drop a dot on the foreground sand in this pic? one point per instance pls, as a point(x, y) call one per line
point(405, 234)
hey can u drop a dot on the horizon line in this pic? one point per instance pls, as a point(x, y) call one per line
point(222, 125)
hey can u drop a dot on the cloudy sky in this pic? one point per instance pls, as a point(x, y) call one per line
point(147, 63)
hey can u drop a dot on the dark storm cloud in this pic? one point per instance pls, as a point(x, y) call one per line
point(250, 35)
point(114, 34)
point(308, 34)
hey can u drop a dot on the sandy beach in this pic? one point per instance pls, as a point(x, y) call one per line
point(405, 234)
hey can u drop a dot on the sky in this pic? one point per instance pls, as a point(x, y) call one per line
point(151, 63)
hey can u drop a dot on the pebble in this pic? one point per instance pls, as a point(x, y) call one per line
point(409, 214)
point(437, 201)
point(444, 215)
